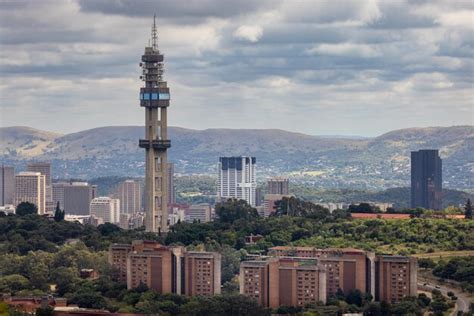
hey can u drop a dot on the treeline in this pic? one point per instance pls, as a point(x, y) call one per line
point(460, 269)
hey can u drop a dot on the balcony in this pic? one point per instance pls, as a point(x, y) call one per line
point(155, 144)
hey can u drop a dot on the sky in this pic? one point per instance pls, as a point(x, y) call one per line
point(361, 67)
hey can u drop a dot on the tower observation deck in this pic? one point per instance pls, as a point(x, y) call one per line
point(155, 98)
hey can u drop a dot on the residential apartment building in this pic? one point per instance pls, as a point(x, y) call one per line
point(278, 185)
point(167, 269)
point(237, 179)
point(30, 187)
point(396, 278)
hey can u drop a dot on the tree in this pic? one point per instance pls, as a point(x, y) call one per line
point(26, 208)
point(468, 209)
point(233, 210)
point(58, 214)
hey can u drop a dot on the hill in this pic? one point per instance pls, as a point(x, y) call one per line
point(325, 161)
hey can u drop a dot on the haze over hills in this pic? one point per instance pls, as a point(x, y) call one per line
point(325, 161)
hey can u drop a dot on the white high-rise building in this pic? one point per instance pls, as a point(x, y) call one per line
point(45, 169)
point(31, 187)
point(106, 208)
point(237, 178)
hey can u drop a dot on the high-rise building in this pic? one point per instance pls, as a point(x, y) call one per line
point(129, 194)
point(283, 281)
point(237, 179)
point(199, 212)
point(167, 269)
point(396, 278)
point(45, 169)
point(7, 185)
point(106, 208)
point(269, 203)
point(30, 187)
point(426, 179)
point(74, 198)
point(278, 186)
point(171, 188)
point(155, 98)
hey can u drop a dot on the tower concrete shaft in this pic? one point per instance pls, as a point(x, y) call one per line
point(155, 98)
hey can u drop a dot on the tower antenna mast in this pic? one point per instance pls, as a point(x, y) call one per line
point(154, 36)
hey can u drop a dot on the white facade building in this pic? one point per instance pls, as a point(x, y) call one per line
point(106, 208)
point(200, 213)
point(31, 187)
point(237, 178)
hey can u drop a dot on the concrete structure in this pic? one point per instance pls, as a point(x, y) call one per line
point(129, 194)
point(283, 281)
point(7, 185)
point(30, 187)
point(278, 185)
point(171, 188)
point(237, 179)
point(396, 278)
point(167, 269)
point(202, 274)
point(74, 198)
point(199, 212)
point(45, 169)
point(155, 98)
point(106, 208)
point(177, 215)
point(269, 203)
point(426, 179)
point(346, 268)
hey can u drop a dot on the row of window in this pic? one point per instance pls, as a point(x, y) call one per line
point(154, 96)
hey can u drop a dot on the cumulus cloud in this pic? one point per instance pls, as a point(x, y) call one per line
point(251, 33)
point(299, 65)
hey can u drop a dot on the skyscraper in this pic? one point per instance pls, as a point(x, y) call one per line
point(30, 187)
point(237, 178)
point(278, 186)
point(155, 98)
point(129, 194)
point(7, 185)
point(426, 179)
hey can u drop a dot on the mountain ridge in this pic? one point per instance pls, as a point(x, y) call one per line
point(372, 163)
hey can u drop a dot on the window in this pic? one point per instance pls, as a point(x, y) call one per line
point(164, 96)
point(146, 96)
point(154, 96)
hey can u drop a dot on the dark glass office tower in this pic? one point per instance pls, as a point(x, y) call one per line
point(426, 179)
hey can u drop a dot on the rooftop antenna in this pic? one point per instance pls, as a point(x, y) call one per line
point(154, 36)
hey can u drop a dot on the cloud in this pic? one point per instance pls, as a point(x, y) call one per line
point(251, 33)
point(307, 66)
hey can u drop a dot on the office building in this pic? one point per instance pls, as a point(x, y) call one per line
point(129, 194)
point(426, 179)
point(237, 179)
point(278, 186)
point(167, 269)
point(396, 278)
point(74, 198)
point(275, 282)
point(155, 98)
point(106, 208)
point(258, 197)
point(45, 169)
point(171, 188)
point(7, 185)
point(198, 213)
point(346, 268)
point(30, 187)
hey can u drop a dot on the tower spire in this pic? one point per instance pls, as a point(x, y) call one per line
point(154, 36)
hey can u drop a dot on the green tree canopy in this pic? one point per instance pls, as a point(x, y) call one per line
point(26, 208)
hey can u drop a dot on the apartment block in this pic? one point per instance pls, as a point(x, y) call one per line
point(167, 269)
point(278, 185)
point(129, 194)
point(7, 185)
point(106, 208)
point(200, 213)
point(396, 278)
point(283, 281)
